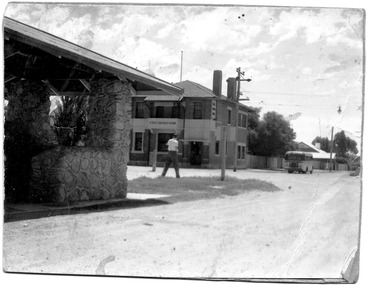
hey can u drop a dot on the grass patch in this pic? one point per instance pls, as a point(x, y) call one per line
point(190, 188)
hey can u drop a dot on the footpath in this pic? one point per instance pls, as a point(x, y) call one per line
point(18, 212)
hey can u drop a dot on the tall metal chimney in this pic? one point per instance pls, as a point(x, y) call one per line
point(217, 82)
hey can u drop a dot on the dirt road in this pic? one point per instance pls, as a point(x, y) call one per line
point(307, 230)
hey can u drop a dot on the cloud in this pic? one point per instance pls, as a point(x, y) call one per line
point(344, 65)
point(211, 31)
point(307, 71)
point(166, 31)
point(329, 25)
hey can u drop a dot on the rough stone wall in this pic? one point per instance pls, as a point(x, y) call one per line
point(29, 105)
point(97, 171)
point(27, 133)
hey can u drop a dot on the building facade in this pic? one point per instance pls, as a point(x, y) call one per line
point(197, 116)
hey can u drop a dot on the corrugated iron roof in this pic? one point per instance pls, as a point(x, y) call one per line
point(318, 153)
point(60, 47)
point(193, 89)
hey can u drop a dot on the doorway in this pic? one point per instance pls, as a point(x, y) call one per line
point(196, 153)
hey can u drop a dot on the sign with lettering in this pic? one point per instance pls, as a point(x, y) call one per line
point(162, 123)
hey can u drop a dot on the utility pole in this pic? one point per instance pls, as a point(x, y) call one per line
point(331, 147)
point(238, 80)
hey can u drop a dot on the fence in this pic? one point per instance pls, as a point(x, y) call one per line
point(264, 162)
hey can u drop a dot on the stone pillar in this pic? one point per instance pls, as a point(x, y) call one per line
point(97, 170)
point(27, 133)
point(109, 125)
point(109, 117)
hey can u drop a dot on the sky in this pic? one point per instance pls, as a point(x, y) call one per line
point(304, 62)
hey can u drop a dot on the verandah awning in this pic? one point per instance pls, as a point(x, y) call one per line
point(163, 98)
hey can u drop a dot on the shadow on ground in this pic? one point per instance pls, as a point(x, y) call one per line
point(14, 213)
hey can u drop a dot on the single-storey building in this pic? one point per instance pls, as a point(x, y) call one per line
point(321, 158)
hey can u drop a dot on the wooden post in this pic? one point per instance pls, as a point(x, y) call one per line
point(331, 148)
point(155, 151)
point(237, 120)
point(223, 152)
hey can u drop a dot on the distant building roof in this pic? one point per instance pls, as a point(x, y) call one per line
point(196, 90)
point(316, 152)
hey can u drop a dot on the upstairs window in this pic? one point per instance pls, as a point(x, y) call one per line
point(166, 110)
point(198, 110)
point(139, 113)
point(242, 120)
point(228, 116)
point(159, 112)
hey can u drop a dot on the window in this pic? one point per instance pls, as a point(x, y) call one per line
point(166, 110)
point(217, 148)
point(138, 144)
point(139, 110)
point(241, 152)
point(159, 112)
point(162, 142)
point(228, 116)
point(198, 109)
point(242, 120)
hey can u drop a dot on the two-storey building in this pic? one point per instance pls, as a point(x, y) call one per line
point(197, 117)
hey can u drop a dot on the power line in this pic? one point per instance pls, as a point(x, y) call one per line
point(289, 93)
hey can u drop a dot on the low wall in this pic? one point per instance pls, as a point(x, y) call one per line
point(76, 173)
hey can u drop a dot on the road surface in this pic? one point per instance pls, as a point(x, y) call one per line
point(307, 230)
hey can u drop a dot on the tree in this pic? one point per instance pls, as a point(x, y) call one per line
point(273, 136)
point(253, 123)
point(324, 143)
point(343, 145)
point(352, 146)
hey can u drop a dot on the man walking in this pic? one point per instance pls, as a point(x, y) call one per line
point(173, 147)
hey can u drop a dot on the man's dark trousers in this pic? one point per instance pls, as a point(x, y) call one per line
point(172, 158)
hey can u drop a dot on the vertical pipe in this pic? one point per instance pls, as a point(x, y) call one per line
point(181, 66)
point(223, 152)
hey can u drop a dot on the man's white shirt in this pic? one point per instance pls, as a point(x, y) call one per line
point(173, 145)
